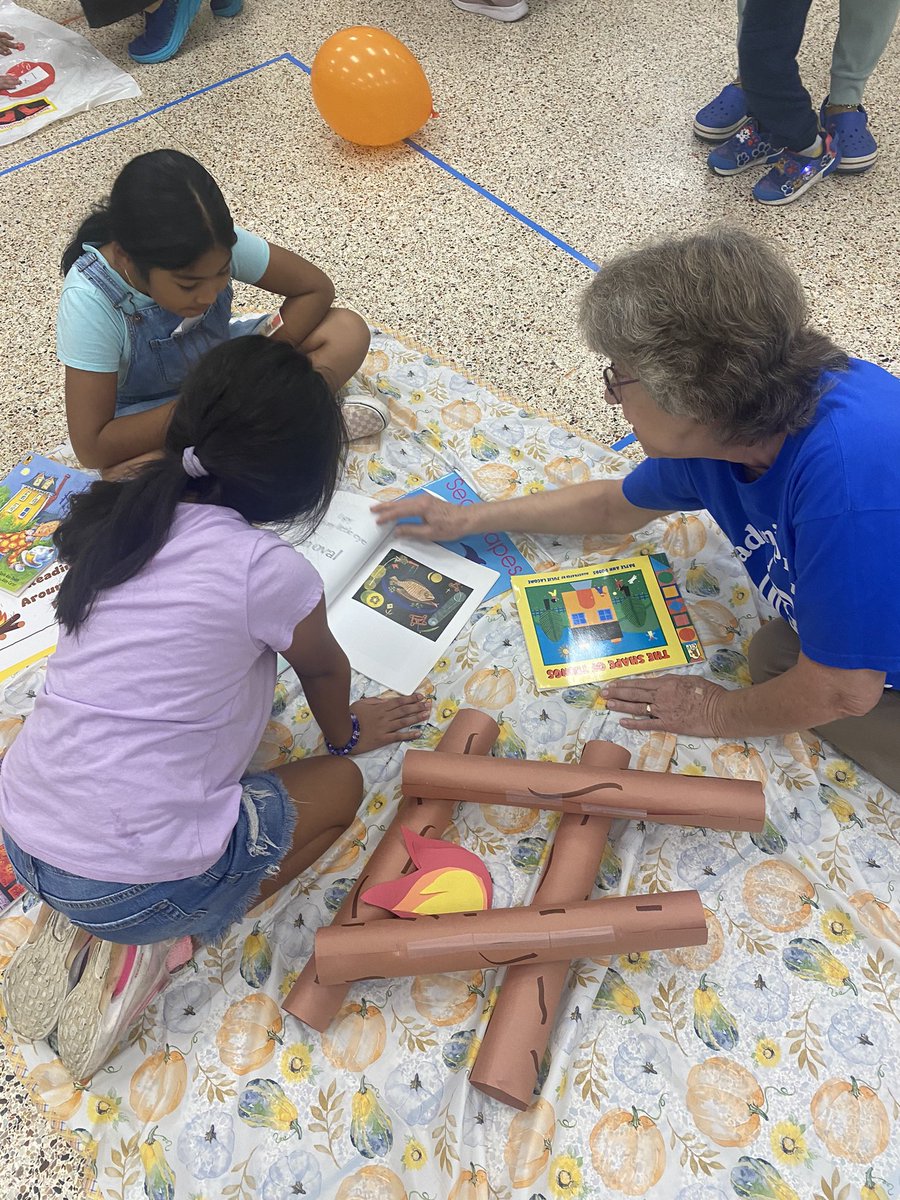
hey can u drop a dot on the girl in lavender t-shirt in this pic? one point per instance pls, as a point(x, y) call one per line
point(125, 801)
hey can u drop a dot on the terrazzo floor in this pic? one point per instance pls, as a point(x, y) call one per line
point(576, 121)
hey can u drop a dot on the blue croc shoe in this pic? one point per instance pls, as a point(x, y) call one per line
point(722, 117)
point(850, 133)
point(794, 174)
point(164, 30)
point(747, 148)
point(226, 8)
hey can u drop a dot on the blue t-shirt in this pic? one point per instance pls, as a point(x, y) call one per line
point(92, 335)
point(819, 532)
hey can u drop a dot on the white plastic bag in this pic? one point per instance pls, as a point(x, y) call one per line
point(59, 74)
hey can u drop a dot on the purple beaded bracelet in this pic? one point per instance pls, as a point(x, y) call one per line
point(351, 745)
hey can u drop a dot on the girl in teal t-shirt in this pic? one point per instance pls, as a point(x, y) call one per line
point(148, 290)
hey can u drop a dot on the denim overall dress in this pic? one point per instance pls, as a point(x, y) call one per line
point(159, 355)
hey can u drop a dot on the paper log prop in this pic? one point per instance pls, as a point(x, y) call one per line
point(514, 1042)
point(594, 791)
point(469, 733)
point(502, 937)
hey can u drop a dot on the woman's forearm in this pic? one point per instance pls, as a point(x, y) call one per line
point(595, 507)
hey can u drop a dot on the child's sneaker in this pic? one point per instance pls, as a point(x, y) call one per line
point(226, 8)
point(747, 148)
point(365, 415)
point(117, 984)
point(793, 174)
point(722, 117)
point(851, 135)
point(496, 9)
point(164, 30)
point(42, 973)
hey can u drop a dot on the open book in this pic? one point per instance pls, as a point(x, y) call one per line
point(394, 604)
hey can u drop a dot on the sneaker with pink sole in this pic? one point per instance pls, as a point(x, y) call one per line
point(117, 984)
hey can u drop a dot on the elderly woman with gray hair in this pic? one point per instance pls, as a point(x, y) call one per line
point(746, 411)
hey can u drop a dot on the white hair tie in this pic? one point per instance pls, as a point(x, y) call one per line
point(192, 464)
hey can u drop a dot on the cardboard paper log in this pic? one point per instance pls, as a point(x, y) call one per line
point(502, 937)
point(514, 1042)
point(595, 791)
point(470, 732)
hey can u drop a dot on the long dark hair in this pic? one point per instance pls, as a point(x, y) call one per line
point(266, 427)
point(164, 210)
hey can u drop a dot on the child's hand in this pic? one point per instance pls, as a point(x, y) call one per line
point(8, 43)
point(438, 520)
point(387, 719)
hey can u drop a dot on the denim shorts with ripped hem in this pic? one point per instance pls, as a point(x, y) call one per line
point(203, 906)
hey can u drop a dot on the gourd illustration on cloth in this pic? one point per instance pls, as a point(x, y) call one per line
point(263, 1104)
point(371, 1129)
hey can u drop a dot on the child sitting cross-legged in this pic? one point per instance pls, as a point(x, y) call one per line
point(126, 802)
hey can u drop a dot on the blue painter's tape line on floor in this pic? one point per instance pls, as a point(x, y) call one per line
point(627, 440)
point(152, 112)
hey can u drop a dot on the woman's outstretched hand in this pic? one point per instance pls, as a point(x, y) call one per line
point(438, 520)
point(387, 719)
point(676, 703)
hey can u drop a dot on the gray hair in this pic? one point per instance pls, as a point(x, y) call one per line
point(714, 325)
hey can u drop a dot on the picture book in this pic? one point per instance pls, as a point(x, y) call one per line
point(606, 620)
point(494, 550)
point(28, 628)
point(394, 604)
point(34, 498)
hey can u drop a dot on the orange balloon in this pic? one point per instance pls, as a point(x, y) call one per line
point(369, 88)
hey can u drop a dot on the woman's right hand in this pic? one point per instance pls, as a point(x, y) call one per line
point(387, 719)
point(439, 521)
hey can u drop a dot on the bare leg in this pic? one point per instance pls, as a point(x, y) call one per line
point(326, 792)
point(338, 345)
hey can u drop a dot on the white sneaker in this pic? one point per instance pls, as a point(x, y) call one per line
point(365, 414)
point(41, 973)
point(117, 984)
point(495, 10)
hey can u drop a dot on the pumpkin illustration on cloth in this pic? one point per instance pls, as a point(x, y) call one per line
point(249, 1033)
point(778, 896)
point(739, 761)
point(700, 581)
point(294, 1174)
point(371, 1129)
point(496, 480)
point(713, 1023)
point(685, 536)
point(529, 1143)
point(725, 1101)
point(274, 749)
point(716, 624)
point(263, 1105)
point(372, 1183)
point(447, 999)
point(851, 1120)
point(491, 687)
point(873, 914)
point(351, 842)
point(564, 470)
point(356, 1037)
point(13, 932)
point(415, 1094)
point(158, 1085)
point(698, 958)
point(657, 752)
point(53, 1085)
point(206, 1144)
point(506, 819)
point(628, 1151)
point(461, 414)
point(471, 1184)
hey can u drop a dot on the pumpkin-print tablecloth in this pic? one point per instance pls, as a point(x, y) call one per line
point(764, 1064)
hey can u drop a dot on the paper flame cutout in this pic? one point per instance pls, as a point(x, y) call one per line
point(447, 879)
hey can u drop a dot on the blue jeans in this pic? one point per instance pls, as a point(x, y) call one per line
point(770, 35)
point(203, 905)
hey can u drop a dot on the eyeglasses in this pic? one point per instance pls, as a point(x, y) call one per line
point(613, 384)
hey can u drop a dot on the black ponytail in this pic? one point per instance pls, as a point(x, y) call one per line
point(164, 210)
point(267, 429)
